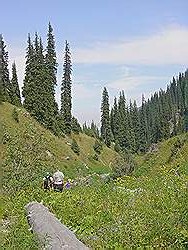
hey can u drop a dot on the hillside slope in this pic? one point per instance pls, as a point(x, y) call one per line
point(170, 155)
point(146, 210)
point(29, 151)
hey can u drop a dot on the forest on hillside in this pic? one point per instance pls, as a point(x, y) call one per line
point(125, 126)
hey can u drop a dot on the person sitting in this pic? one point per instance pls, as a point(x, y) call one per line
point(58, 181)
point(47, 181)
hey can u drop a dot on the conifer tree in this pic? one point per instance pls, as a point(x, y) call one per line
point(134, 124)
point(1, 72)
point(114, 122)
point(15, 91)
point(51, 67)
point(38, 95)
point(29, 85)
point(143, 127)
point(34, 81)
point(76, 128)
point(186, 100)
point(105, 118)
point(97, 146)
point(163, 116)
point(122, 137)
point(4, 72)
point(75, 147)
point(94, 129)
point(66, 104)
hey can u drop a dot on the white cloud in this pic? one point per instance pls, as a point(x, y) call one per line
point(80, 91)
point(167, 47)
point(130, 82)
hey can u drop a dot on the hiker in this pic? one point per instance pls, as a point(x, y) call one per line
point(58, 181)
point(68, 184)
point(47, 181)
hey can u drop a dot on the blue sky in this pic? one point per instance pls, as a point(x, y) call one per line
point(121, 44)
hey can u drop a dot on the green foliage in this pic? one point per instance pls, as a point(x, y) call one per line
point(50, 60)
point(15, 115)
point(114, 120)
point(66, 103)
point(76, 128)
point(146, 210)
point(123, 165)
point(117, 147)
point(158, 118)
point(105, 119)
point(128, 214)
point(75, 147)
point(4, 73)
point(58, 126)
point(14, 88)
point(176, 147)
point(39, 83)
point(91, 130)
point(97, 146)
point(5, 138)
point(96, 157)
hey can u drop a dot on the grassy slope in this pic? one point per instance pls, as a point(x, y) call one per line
point(171, 155)
point(40, 146)
point(28, 152)
point(146, 210)
point(101, 215)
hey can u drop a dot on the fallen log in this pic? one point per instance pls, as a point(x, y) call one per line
point(52, 234)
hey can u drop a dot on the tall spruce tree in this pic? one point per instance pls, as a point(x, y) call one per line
point(134, 126)
point(94, 129)
point(34, 89)
point(4, 72)
point(1, 72)
point(15, 91)
point(51, 67)
point(76, 128)
point(114, 120)
point(38, 91)
point(163, 115)
point(143, 127)
point(66, 103)
point(123, 138)
point(28, 91)
point(105, 119)
point(186, 100)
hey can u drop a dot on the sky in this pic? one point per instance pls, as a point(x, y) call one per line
point(131, 45)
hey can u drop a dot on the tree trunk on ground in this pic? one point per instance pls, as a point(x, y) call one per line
point(51, 233)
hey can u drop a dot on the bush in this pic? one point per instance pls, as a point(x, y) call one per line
point(75, 148)
point(76, 128)
point(117, 147)
point(123, 165)
point(95, 157)
point(97, 147)
point(15, 115)
point(5, 138)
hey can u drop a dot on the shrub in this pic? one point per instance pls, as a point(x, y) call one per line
point(117, 147)
point(97, 147)
point(76, 128)
point(123, 165)
point(96, 157)
point(5, 138)
point(75, 148)
point(15, 115)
